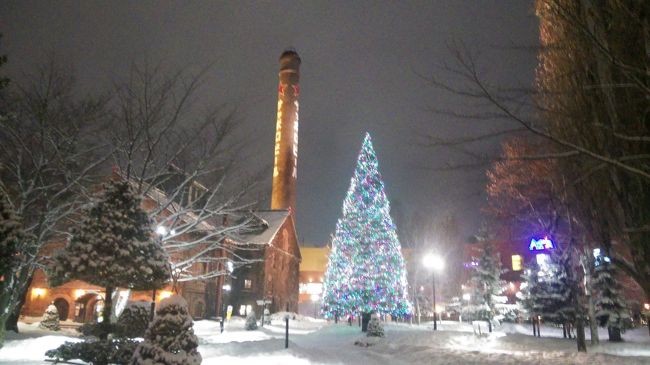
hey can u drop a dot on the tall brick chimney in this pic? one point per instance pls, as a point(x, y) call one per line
point(286, 133)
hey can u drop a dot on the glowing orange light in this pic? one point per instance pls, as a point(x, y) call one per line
point(79, 293)
point(38, 292)
point(164, 294)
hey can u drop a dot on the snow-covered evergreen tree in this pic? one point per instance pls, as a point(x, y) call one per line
point(550, 290)
point(366, 272)
point(251, 321)
point(529, 289)
point(170, 338)
point(611, 308)
point(10, 234)
point(554, 301)
point(50, 319)
point(486, 282)
point(375, 329)
point(114, 246)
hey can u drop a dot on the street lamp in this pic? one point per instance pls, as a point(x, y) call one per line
point(433, 263)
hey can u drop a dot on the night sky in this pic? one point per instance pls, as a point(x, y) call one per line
point(360, 70)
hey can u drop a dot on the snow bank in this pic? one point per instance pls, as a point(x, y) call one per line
point(30, 350)
point(453, 343)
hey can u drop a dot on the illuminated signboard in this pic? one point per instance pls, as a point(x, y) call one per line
point(541, 244)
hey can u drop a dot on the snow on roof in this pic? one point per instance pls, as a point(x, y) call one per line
point(268, 224)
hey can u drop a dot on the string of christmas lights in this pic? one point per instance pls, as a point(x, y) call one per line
point(366, 271)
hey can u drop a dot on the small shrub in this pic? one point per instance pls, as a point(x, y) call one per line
point(93, 329)
point(170, 338)
point(134, 320)
point(50, 319)
point(97, 352)
point(251, 321)
point(375, 329)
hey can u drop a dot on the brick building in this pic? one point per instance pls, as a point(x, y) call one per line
point(82, 302)
point(275, 277)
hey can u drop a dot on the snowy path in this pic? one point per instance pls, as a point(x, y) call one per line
point(404, 344)
point(316, 342)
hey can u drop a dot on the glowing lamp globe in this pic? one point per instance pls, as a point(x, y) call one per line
point(433, 262)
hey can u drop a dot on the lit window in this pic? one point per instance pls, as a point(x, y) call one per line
point(311, 288)
point(248, 283)
point(599, 257)
point(516, 263)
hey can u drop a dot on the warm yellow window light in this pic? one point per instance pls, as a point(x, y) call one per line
point(516, 263)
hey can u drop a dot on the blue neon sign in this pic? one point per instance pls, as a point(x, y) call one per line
point(541, 244)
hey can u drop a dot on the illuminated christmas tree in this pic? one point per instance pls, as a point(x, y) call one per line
point(366, 272)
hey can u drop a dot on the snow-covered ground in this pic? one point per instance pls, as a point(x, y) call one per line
point(314, 341)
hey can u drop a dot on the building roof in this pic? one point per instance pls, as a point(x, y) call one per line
point(268, 225)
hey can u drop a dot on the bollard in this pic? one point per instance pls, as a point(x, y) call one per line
point(286, 333)
point(221, 324)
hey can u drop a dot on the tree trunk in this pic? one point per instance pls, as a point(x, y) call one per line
point(153, 305)
point(22, 288)
point(534, 328)
point(593, 326)
point(106, 314)
point(580, 335)
point(614, 334)
point(365, 319)
point(5, 299)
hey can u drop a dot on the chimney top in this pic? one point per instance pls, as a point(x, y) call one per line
point(289, 59)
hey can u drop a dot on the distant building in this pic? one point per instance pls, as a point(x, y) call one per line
point(312, 270)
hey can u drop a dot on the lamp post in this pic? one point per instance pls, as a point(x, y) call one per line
point(314, 298)
point(466, 298)
point(433, 262)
